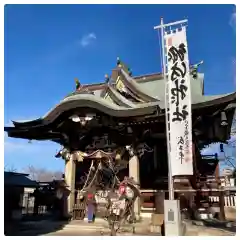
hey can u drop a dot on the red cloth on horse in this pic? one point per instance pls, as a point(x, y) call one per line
point(90, 196)
point(122, 189)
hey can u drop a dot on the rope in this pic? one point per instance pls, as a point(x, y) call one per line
point(88, 176)
point(88, 184)
point(115, 176)
point(94, 177)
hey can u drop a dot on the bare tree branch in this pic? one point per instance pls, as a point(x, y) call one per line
point(42, 175)
point(10, 168)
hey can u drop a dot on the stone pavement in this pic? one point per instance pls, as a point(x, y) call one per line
point(196, 230)
point(100, 227)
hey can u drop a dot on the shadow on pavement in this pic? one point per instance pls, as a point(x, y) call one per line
point(229, 226)
point(224, 225)
point(33, 228)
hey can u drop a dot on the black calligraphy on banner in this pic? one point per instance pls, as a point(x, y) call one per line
point(186, 134)
point(180, 148)
point(179, 93)
point(174, 54)
point(178, 72)
point(180, 115)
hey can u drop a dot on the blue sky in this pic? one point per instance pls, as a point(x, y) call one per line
point(47, 46)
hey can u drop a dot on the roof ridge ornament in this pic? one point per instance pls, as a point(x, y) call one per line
point(122, 65)
point(129, 71)
point(107, 79)
point(119, 62)
point(77, 83)
point(194, 69)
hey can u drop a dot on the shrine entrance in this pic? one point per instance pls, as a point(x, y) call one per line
point(99, 173)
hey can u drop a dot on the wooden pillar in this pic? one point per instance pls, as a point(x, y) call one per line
point(159, 202)
point(221, 195)
point(195, 179)
point(134, 173)
point(70, 172)
point(221, 206)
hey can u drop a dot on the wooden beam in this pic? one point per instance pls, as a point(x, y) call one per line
point(158, 135)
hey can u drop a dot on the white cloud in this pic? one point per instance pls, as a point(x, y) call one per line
point(232, 21)
point(23, 146)
point(13, 145)
point(88, 39)
point(233, 66)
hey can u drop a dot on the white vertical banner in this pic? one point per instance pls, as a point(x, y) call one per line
point(179, 102)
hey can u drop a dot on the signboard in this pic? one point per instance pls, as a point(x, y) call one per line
point(179, 103)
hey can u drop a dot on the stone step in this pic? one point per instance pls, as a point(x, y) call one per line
point(88, 227)
point(85, 225)
point(99, 225)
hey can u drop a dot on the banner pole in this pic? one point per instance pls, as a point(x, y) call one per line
point(170, 179)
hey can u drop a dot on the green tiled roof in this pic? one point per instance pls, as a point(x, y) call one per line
point(149, 92)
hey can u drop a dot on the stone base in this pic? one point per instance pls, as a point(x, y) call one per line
point(184, 229)
point(138, 218)
point(156, 225)
point(147, 215)
point(230, 213)
point(157, 219)
point(155, 229)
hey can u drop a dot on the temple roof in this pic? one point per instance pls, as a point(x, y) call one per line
point(126, 96)
point(123, 96)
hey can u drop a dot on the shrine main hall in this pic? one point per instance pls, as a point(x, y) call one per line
point(124, 116)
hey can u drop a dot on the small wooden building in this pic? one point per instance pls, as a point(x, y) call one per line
point(14, 185)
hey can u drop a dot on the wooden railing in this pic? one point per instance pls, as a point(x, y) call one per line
point(148, 199)
point(229, 201)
